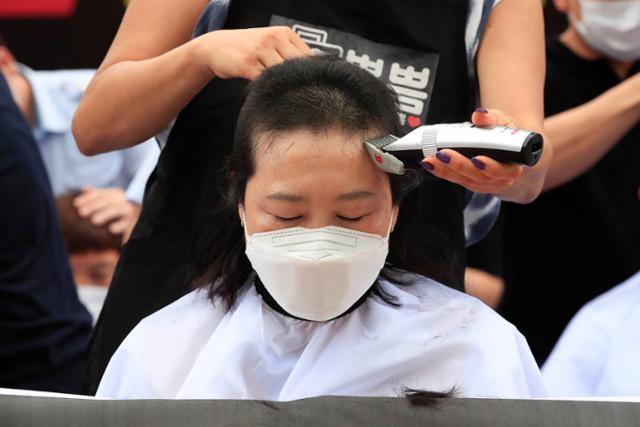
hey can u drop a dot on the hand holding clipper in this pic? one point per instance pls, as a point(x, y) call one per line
point(503, 144)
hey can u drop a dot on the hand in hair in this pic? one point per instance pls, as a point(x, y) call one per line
point(245, 53)
point(110, 206)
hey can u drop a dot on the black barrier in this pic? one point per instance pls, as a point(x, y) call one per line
point(18, 411)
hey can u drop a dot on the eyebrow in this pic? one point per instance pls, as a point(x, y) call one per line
point(353, 195)
point(286, 197)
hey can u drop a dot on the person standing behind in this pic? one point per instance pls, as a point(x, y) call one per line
point(586, 224)
point(158, 72)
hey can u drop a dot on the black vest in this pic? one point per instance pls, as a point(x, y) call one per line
point(152, 271)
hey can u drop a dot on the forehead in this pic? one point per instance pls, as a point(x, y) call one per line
point(330, 156)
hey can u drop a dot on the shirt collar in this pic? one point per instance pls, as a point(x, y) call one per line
point(48, 117)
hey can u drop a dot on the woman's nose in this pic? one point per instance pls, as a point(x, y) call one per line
point(320, 221)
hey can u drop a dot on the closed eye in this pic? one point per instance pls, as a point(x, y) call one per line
point(285, 219)
point(347, 219)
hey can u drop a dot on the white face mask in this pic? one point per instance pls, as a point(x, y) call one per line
point(611, 27)
point(317, 274)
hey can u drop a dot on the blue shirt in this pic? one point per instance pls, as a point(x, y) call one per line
point(56, 95)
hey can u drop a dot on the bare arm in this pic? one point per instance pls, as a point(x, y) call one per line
point(485, 286)
point(152, 70)
point(511, 68)
point(511, 72)
point(583, 135)
point(145, 78)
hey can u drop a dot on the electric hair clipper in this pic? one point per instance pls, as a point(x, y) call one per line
point(503, 144)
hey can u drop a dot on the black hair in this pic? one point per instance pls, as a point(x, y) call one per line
point(426, 398)
point(313, 93)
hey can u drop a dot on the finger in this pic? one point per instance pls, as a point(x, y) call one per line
point(91, 207)
point(491, 117)
point(295, 39)
point(119, 226)
point(497, 170)
point(108, 214)
point(450, 175)
point(456, 162)
point(289, 50)
point(269, 57)
point(93, 194)
point(88, 198)
point(253, 72)
point(84, 197)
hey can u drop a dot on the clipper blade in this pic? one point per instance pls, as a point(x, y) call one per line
point(383, 141)
point(381, 158)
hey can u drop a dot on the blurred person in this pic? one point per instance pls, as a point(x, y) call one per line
point(297, 297)
point(598, 353)
point(113, 182)
point(439, 56)
point(585, 226)
point(44, 329)
point(93, 253)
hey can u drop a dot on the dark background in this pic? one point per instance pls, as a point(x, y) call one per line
point(77, 42)
point(82, 40)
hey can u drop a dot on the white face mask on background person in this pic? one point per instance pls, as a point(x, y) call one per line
point(317, 274)
point(611, 27)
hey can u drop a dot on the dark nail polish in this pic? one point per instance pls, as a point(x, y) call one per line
point(478, 163)
point(482, 110)
point(443, 157)
point(427, 166)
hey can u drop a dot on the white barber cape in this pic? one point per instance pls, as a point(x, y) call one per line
point(436, 340)
point(599, 352)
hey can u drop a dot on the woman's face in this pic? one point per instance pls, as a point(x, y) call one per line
point(314, 180)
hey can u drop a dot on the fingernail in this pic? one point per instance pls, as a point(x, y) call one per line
point(427, 166)
point(478, 163)
point(481, 110)
point(443, 157)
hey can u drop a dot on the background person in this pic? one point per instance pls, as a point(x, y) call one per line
point(44, 329)
point(113, 182)
point(585, 226)
point(93, 253)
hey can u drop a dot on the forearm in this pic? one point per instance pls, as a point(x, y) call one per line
point(511, 72)
point(583, 135)
point(130, 101)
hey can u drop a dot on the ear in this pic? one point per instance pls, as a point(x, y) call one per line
point(241, 214)
point(394, 216)
point(8, 63)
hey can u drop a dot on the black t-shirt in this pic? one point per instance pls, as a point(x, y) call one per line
point(581, 239)
point(44, 329)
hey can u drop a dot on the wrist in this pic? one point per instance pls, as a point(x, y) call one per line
point(200, 53)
